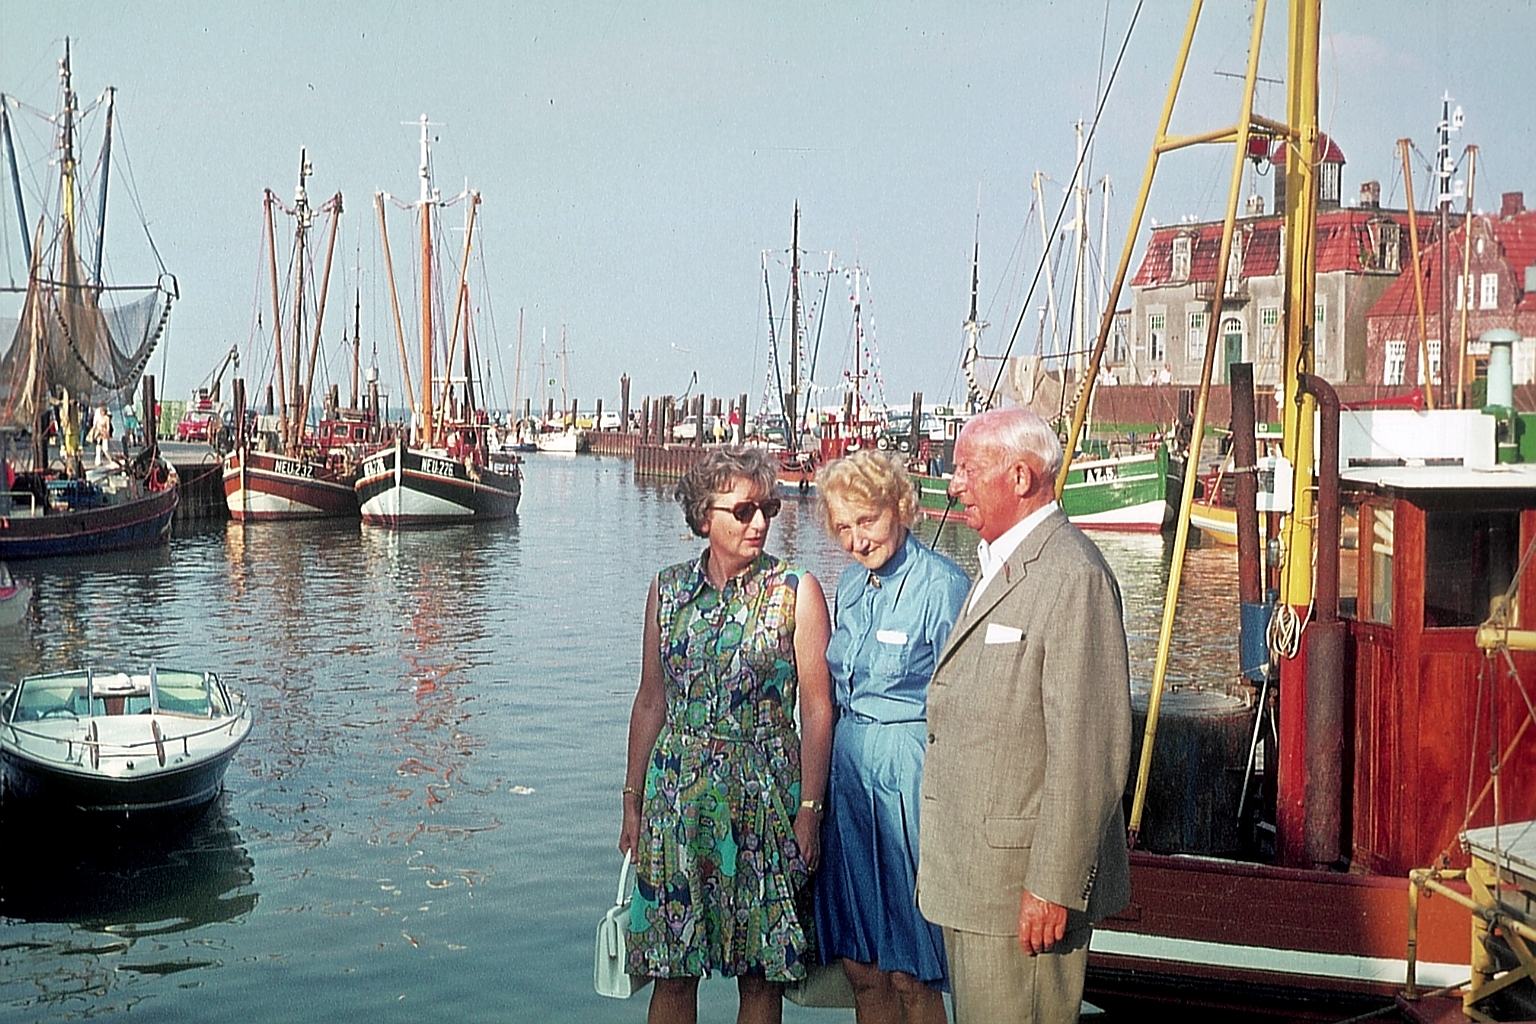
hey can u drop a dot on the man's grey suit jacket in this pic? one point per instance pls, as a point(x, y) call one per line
point(1029, 724)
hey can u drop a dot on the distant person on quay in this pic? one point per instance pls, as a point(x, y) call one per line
point(893, 614)
point(722, 799)
point(1029, 725)
point(101, 433)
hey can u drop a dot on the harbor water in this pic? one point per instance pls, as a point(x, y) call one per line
point(423, 823)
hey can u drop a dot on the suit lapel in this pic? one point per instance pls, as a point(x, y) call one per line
point(1012, 574)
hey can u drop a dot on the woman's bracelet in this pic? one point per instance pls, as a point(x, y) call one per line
point(629, 791)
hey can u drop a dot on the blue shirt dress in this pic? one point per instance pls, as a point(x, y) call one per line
point(891, 625)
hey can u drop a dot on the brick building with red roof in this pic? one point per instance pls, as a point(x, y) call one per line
point(1361, 251)
point(1500, 282)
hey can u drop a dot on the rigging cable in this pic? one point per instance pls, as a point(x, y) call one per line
point(1092, 133)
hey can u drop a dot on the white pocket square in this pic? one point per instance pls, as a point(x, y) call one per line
point(890, 636)
point(1000, 634)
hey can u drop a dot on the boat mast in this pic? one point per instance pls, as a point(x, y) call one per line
point(334, 206)
point(1050, 285)
point(460, 309)
point(427, 198)
point(792, 403)
point(293, 413)
point(394, 298)
point(1444, 168)
point(106, 169)
point(280, 373)
point(10, 153)
point(973, 327)
point(357, 340)
point(517, 376)
point(1080, 274)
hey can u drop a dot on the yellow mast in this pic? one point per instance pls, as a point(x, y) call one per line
point(1418, 276)
point(1239, 137)
point(1298, 410)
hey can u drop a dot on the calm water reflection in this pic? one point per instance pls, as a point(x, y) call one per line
point(422, 824)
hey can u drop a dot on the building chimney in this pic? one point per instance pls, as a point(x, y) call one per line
point(1255, 206)
point(1514, 203)
point(1370, 195)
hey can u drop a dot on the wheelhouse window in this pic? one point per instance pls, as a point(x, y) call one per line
point(1381, 552)
point(1469, 558)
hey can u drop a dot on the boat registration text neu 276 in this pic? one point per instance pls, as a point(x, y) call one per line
point(119, 743)
point(445, 473)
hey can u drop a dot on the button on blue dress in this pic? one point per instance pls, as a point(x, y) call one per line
point(891, 625)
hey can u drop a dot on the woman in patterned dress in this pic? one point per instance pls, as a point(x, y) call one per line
point(895, 609)
point(722, 798)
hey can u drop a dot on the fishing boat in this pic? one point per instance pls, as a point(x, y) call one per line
point(119, 743)
point(80, 342)
point(15, 597)
point(444, 474)
point(297, 471)
point(1289, 824)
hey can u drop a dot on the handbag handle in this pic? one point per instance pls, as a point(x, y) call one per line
point(618, 900)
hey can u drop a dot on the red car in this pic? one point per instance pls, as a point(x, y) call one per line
point(198, 421)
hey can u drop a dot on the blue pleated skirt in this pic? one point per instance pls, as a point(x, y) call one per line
point(865, 909)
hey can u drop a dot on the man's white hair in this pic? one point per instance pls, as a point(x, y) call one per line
point(1021, 433)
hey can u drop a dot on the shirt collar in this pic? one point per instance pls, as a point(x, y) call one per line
point(992, 556)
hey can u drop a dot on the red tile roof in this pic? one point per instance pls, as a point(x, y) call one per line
point(1342, 235)
point(1515, 238)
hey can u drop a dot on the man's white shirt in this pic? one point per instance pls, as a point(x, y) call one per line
point(992, 556)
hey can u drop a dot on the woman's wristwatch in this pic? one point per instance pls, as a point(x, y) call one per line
point(814, 806)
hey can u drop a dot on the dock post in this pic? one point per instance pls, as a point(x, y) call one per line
point(624, 403)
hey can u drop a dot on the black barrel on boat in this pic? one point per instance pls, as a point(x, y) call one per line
point(1197, 770)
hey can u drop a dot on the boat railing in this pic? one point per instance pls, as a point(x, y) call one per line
point(22, 504)
point(97, 750)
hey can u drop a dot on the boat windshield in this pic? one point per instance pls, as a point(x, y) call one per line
point(47, 697)
point(75, 695)
point(184, 693)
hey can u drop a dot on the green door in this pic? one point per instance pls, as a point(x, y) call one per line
point(1232, 338)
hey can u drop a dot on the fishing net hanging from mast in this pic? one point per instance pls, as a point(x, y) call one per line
point(66, 336)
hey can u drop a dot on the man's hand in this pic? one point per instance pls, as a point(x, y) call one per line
point(1041, 923)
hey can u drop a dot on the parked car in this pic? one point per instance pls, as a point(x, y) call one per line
point(197, 424)
point(685, 429)
point(609, 420)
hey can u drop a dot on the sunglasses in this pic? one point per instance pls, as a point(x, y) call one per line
point(746, 511)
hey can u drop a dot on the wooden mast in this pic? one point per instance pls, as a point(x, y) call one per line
point(394, 298)
point(425, 204)
point(325, 286)
point(460, 305)
point(293, 421)
point(268, 202)
point(1418, 279)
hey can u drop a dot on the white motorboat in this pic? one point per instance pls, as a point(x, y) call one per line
point(119, 743)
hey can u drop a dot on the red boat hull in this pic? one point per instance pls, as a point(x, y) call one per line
point(268, 486)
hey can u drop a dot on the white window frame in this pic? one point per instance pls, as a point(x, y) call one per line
point(1434, 348)
point(1395, 364)
point(1488, 292)
point(1183, 250)
point(1157, 337)
point(1195, 340)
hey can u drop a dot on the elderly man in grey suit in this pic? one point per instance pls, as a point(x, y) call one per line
point(1022, 844)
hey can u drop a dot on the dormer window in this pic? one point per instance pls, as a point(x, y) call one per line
point(1181, 247)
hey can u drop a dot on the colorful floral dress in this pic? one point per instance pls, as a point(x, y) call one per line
point(717, 868)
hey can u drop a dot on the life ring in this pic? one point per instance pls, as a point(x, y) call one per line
point(157, 477)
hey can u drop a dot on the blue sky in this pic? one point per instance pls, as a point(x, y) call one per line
point(635, 160)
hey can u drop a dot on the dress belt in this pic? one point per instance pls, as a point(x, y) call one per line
point(864, 719)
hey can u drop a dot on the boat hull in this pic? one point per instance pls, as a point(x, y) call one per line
point(142, 521)
point(265, 486)
point(39, 786)
point(1135, 493)
point(401, 486)
point(1292, 934)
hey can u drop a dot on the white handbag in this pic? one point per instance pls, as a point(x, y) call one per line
point(612, 948)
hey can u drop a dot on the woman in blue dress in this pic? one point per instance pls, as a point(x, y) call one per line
point(894, 611)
